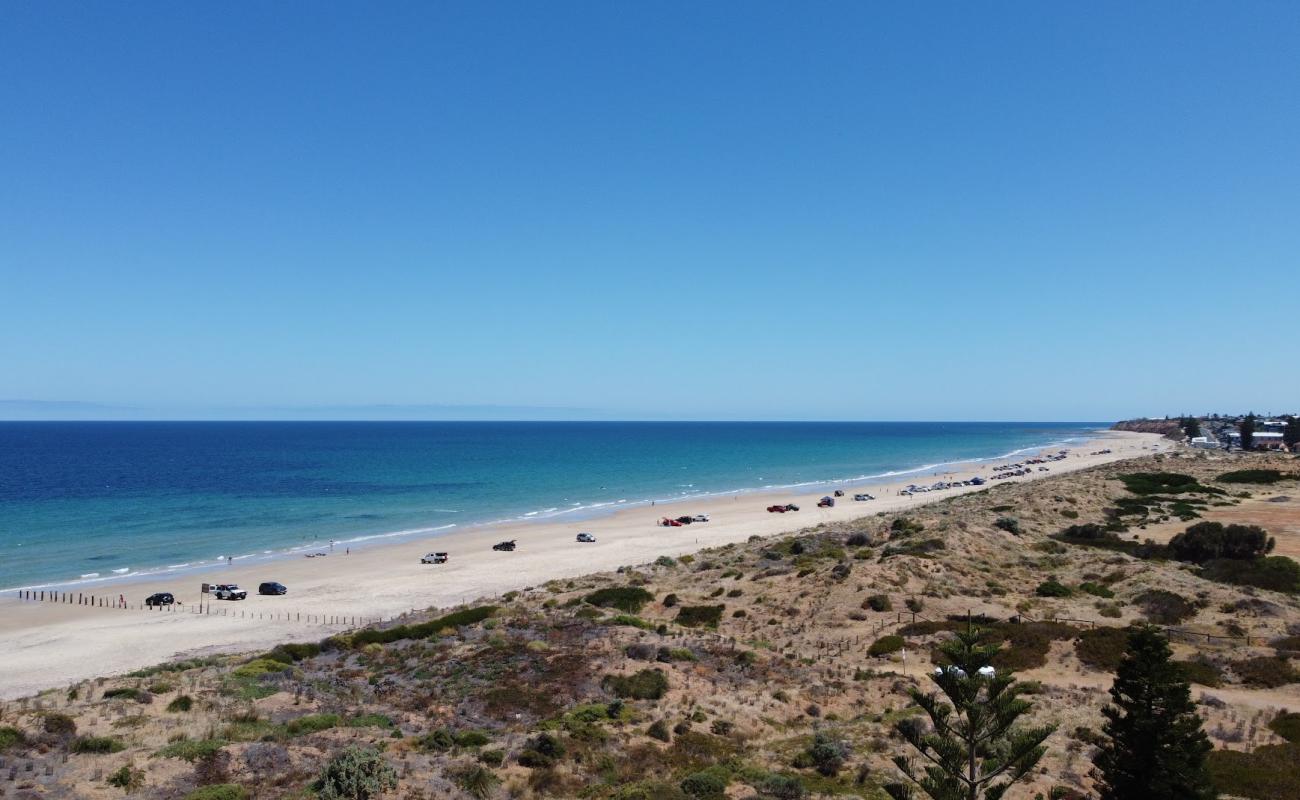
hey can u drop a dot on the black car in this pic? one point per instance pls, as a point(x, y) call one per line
point(506, 546)
point(160, 599)
point(271, 587)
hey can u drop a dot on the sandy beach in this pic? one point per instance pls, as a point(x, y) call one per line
point(49, 645)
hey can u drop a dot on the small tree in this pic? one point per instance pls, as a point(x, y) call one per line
point(1155, 748)
point(1191, 426)
point(1247, 431)
point(358, 773)
point(973, 749)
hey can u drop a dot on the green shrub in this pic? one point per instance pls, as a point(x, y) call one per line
point(1264, 476)
point(707, 784)
point(311, 723)
point(1008, 524)
point(886, 645)
point(180, 704)
point(1164, 607)
point(1278, 573)
point(259, 667)
point(647, 684)
point(293, 652)
point(670, 600)
point(493, 758)
point(191, 749)
point(696, 616)
point(1207, 541)
point(1268, 672)
point(127, 778)
point(420, 630)
point(128, 693)
point(1202, 672)
point(878, 602)
point(477, 781)
point(1269, 773)
point(782, 787)
point(1287, 725)
point(219, 791)
point(97, 744)
point(1096, 589)
point(10, 737)
point(1148, 483)
point(659, 730)
point(624, 598)
point(355, 774)
point(1053, 588)
point(59, 725)
point(1102, 648)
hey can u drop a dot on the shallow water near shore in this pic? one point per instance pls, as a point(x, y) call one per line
point(87, 502)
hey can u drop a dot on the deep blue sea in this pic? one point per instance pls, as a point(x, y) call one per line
point(93, 500)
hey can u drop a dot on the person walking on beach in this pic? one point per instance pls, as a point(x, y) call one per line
point(121, 600)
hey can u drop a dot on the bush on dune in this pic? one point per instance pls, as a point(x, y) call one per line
point(624, 598)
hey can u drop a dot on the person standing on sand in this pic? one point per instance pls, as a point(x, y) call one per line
point(121, 600)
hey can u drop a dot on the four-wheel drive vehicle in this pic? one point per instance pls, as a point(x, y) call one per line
point(669, 523)
point(776, 509)
point(160, 599)
point(228, 591)
point(826, 502)
point(434, 558)
point(586, 537)
point(863, 497)
point(271, 587)
point(839, 492)
point(791, 507)
point(506, 546)
point(700, 518)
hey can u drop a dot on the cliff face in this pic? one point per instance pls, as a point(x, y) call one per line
point(1168, 427)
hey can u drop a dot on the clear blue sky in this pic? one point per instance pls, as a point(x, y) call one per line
point(646, 210)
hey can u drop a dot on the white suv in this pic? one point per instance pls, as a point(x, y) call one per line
point(228, 591)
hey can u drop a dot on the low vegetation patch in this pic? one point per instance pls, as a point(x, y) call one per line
point(886, 645)
point(1287, 725)
point(697, 616)
point(420, 630)
point(1149, 483)
point(1277, 573)
point(1164, 607)
point(1268, 672)
point(1262, 476)
point(97, 744)
point(1102, 648)
point(624, 598)
point(648, 684)
point(1268, 773)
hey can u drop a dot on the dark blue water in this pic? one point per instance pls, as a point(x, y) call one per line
point(94, 500)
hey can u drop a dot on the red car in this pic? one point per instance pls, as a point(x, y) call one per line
point(776, 509)
point(670, 523)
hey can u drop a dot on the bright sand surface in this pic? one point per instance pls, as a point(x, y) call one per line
point(47, 645)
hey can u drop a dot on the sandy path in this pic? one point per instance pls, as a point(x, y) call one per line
point(49, 645)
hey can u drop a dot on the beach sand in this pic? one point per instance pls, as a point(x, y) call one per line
point(49, 645)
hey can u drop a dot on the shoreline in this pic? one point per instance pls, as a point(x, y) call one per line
point(102, 583)
point(51, 644)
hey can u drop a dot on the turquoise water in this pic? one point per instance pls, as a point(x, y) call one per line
point(91, 501)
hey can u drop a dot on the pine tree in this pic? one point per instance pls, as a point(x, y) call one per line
point(1155, 748)
point(1291, 433)
point(972, 749)
point(1247, 431)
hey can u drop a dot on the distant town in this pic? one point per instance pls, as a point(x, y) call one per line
point(1276, 433)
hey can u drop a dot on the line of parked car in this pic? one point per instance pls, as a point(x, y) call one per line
point(677, 522)
point(221, 591)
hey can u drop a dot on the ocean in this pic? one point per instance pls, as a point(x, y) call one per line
point(86, 502)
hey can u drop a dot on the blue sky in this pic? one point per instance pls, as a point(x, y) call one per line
point(658, 210)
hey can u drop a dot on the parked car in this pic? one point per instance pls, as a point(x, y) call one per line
point(434, 558)
point(228, 591)
point(271, 587)
point(700, 518)
point(826, 502)
point(861, 497)
point(586, 537)
point(666, 522)
point(839, 492)
point(778, 509)
point(791, 507)
point(685, 520)
point(506, 546)
point(976, 481)
point(160, 599)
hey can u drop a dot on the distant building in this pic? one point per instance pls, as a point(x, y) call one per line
point(1263, 440)
point(1204, 443)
